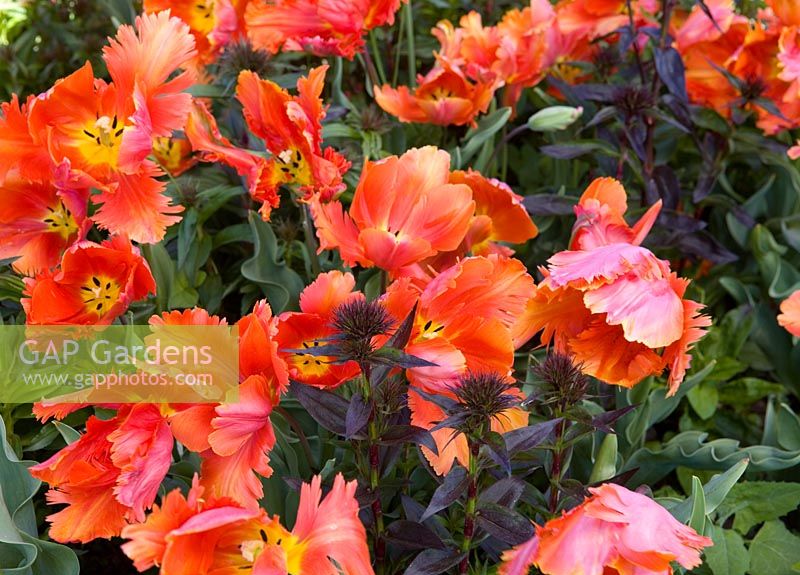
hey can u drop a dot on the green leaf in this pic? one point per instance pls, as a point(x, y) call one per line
point(690, 449)
point(339, 130)
point(476, 137)
point(697, 520)
point(281, 284)
point(69, 434)
point(728, 555)
point(747, 390)
point(704, 399)
point(787, 425)
point(774, 550)
point(206, 91)
point(714, 492)
point(163, 269)
point(21, 551)
point(753, 502)
point(605, 466)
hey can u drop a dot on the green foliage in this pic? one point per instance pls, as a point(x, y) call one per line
point(22, 552)
point(774, 550)
point(754, 502)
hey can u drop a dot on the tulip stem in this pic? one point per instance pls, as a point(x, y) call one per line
point(369, 66)
point(408, 13)
point(311, 240)
point(397, 51)
point(504, 140)
point(298, 431)
point(377, 56)
point(471, 506)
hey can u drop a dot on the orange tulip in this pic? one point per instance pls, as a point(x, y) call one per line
point(292, 130)
point(531, 46)
point(763, 54)
point(594, 19)
point(612, 304)
point(233, 439)
point(94, 284)
point(104, 132)
point(213, 23)
point(322, 27)
point(311, 327)
point(600, 217)
point(198, 536)
point(109, 476)
point(787, 11)
point(173, 154)
point(630, 533)
point(39, 219)
point(205, 137)
point(443, 97)
point(21, 149)
point(499, 215)
point(404, 210)
point(467, 321)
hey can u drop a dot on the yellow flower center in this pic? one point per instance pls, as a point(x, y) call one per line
point(428, 329)
point(167, 152)
point(441, 94)
point(203, 19)
point(294, 167)
point(275, 534)
point(308, 364)
point(101, 139)
point(99, 294)
point(59, 220)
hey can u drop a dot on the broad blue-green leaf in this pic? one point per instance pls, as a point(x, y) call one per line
point(267, 268)
point(21, 551)
point(697, 520)
point(787, 424)
point(605, 466)
point(488, 126)
point(690, 449)
point(69, 434)
point(713, 492)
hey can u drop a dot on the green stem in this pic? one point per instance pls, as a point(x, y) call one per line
point(397, 51)
point(377, 57)
point(408, 13)
point(311, 240)
point(298, 431)
point(372, 75)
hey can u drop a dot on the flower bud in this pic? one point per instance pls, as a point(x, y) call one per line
point(554, 118)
